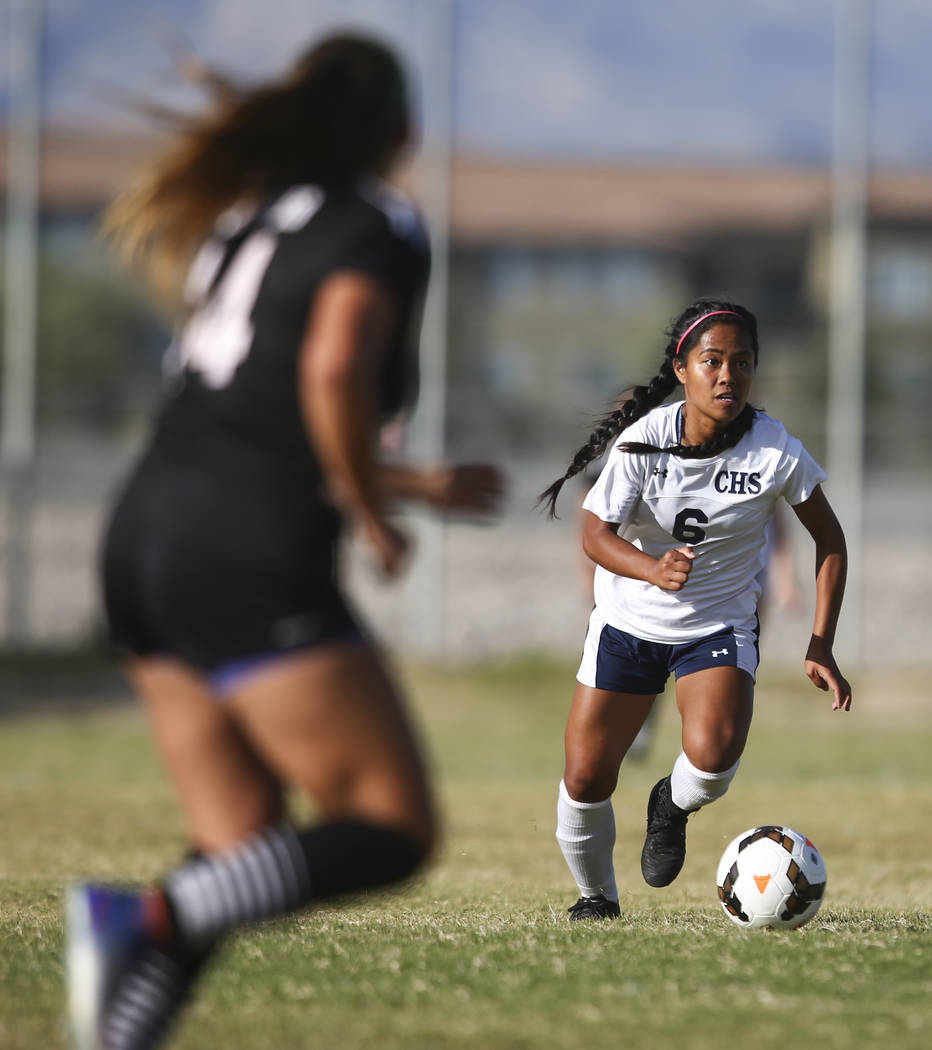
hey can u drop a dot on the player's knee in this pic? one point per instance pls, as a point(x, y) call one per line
point(401, 854)
point(713, 757)
point(345, 856)
point(715, 748)
point(425, 837)
point(584, 784)
point(416, 819)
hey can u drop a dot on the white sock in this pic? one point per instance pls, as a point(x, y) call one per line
point(586, 834)
point(691, 788)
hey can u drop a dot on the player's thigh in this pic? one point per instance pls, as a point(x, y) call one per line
point(226, 790)
point(599, 730)
point(330, 721)
point(716, 705)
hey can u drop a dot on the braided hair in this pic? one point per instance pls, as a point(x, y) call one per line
point(682, 336)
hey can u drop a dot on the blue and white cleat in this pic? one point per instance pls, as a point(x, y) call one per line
point(105, 930)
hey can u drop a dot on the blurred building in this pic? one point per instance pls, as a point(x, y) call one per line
point(562, 279)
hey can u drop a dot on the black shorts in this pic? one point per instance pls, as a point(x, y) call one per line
point(189, 573)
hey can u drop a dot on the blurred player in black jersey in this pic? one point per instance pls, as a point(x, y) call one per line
point(301, 308)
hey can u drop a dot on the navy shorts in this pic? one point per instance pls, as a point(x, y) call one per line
point(622, 663)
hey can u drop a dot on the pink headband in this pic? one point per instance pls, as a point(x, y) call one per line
point(695, 324)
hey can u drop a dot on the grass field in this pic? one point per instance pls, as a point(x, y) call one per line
point(478, 954)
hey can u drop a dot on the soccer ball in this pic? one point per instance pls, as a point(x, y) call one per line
point(771, 876)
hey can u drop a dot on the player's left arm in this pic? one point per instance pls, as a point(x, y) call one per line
point(820, 522)
point(472, 488)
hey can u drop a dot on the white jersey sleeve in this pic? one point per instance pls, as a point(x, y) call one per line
point(798, 472)
point(617, 489)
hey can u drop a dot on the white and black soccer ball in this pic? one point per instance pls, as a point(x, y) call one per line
point(771, 876)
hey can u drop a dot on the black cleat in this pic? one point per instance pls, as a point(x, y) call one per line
point(665, 844)
point(594, 908)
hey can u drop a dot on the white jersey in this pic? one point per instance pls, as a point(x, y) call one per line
point(720, 506)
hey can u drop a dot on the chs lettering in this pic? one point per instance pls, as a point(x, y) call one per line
point(737, 483)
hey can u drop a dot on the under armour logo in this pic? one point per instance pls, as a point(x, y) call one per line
point(719, 652)
point(658, 473)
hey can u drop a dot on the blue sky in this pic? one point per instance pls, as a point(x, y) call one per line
point(719, 82)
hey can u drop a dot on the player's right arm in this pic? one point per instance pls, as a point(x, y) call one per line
point(605, 547)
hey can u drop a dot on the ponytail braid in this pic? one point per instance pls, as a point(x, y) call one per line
point(727, 438)
point(682, 335)
point(641, 401)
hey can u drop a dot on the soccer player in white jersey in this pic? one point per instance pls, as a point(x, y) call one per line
point(676, 524)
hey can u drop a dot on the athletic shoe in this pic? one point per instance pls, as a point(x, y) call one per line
point(105, 931)
point(665, 844)
point(599, 907)
point(148, 999)
point(124, 992)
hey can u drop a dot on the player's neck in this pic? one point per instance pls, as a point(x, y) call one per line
point(696, 428)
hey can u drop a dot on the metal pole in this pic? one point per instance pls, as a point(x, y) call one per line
point(426, 617)
point(847, 311)
point(18, 429)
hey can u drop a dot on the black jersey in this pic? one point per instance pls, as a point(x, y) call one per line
point(222, 545)
point(231, 372)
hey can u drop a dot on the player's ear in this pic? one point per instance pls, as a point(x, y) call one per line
point(679, 368)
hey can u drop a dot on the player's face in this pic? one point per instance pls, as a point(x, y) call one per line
point(717, 375)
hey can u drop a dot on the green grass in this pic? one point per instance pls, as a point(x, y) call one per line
point(478, 954)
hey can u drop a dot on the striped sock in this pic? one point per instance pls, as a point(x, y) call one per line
point(278, 870)
point(264, 876)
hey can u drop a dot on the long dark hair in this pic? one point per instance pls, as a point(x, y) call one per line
point(642, 399)
point(341, 111)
